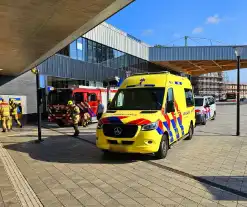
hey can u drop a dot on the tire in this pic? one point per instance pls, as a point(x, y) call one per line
point(214, 117)
point(204, 121)
point(163, 148)
point(60, 123)
point(107, 153)
point(191, 132)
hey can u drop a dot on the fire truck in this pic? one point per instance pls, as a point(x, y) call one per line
point(85, 97)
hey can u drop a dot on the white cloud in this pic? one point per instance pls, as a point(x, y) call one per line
point(147, 32)
point(197, 30)
point(213, 19)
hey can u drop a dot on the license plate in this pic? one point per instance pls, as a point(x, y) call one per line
point(59, 117)
point(117, 148)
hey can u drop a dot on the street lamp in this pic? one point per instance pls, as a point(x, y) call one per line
point(238, 51)
point(36, 72)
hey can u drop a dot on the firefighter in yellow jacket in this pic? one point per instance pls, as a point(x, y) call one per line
point(5, 116)
point(13, 113)
point(74, 112)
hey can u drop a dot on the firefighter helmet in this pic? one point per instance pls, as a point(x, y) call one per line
point(70, 102)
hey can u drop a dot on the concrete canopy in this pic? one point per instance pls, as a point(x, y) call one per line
point(33, 30)
point(198, 60)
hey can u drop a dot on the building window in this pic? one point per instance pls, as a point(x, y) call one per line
point(99, 53)
point(73, 50)
point(90, 51)
point(94, 52)
point(79, 47)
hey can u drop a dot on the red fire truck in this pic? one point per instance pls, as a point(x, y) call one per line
point(86, 98)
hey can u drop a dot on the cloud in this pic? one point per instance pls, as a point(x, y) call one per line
point(147, 32)
point(213, 19)
point(197, 30)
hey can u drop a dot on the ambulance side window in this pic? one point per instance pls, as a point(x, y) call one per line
point(170, 101)
point(189, 97)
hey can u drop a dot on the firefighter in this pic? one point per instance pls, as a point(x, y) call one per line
point(5, 116)
point(75, 116)
point(13, 113)
point(86, 114)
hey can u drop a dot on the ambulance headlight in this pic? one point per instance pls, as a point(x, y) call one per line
point(150, 126)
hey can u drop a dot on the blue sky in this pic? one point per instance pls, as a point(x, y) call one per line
point(165, 21)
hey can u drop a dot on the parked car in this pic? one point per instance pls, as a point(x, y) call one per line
point(205, 108)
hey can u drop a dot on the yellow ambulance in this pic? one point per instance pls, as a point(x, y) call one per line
point(149, 113)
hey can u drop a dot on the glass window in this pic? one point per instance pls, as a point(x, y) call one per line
point(170, 101)
point(199, 101)
point(189, 97)
point(91, 97)
point(79, 48)
point(104, 55)
point(94, 52)
point(78, 97)
point(138, 99)
point(99, 53)
point(72, 50)
point(60, 96)
point(91, 83)
point(90, 51)
point(84, 51)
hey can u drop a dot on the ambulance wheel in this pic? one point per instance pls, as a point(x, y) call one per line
point(191, 132)
point(163, 148)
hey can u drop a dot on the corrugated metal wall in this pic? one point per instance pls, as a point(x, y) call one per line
point(108, 35)
point(65, 67)
point(194, 53)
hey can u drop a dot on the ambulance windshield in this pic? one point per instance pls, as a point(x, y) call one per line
point(138, 99)
point(60, 96)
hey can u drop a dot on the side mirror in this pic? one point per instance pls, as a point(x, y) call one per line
point(207, 105)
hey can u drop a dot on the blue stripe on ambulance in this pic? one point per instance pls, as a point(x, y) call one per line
point(175, 128)
point(181, 125)
point(169, 131)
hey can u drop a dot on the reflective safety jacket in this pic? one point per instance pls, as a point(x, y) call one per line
point(13, 108)
point(4, 109)
point(74, 111)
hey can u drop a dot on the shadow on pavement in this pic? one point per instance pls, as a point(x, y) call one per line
point(226, 188)
point(65, 149)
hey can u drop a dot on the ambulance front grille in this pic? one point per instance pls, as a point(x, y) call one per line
point(127, 131)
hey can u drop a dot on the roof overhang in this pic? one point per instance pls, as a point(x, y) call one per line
point(198, 60)
point(34, 30)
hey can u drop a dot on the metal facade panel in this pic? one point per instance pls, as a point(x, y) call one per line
point(65, 67)
point(194, 53)
point(108, 35)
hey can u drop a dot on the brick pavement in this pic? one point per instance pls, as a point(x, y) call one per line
point(64, 171)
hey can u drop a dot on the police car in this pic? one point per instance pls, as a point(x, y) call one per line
point(205, 108)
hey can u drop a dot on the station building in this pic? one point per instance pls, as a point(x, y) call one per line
point(103, 52)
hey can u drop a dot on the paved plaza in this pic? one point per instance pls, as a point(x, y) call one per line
point(208, 170)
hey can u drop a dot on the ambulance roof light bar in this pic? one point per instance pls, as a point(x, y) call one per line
point(150, 73)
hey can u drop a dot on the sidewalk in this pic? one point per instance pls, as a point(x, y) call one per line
point(8, 196)
point(67, 171)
